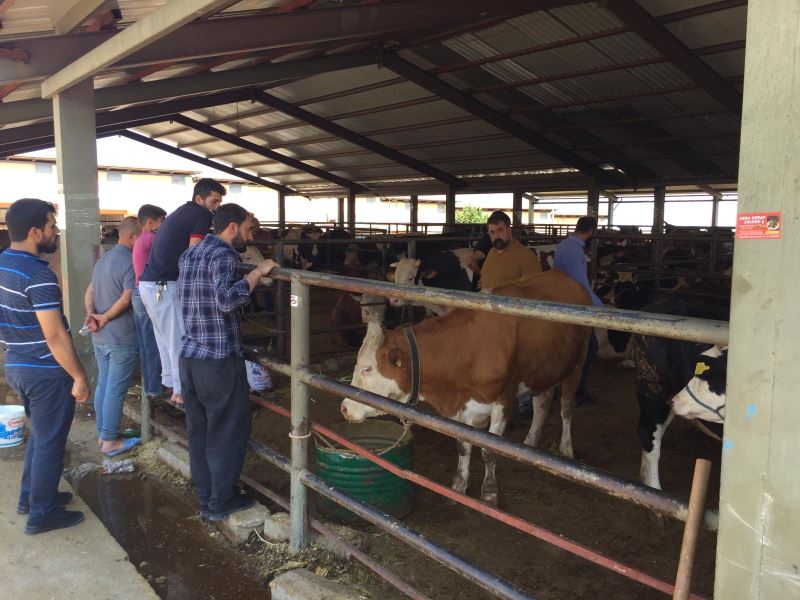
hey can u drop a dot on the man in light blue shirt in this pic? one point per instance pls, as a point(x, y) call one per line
point(570, 258)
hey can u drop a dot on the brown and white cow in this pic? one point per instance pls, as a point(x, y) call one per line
point(473, 364)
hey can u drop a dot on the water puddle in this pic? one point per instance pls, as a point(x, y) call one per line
point(158, 528)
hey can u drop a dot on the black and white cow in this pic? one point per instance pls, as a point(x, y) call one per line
point(663, 368)
point(300, 256)
point(448, 269)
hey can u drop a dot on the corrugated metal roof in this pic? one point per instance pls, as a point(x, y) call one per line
point(559, 45)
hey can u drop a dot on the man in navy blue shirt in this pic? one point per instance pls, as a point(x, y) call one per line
point(212, 370)
point(182, 229)
point(570, 258)
point(42, 366)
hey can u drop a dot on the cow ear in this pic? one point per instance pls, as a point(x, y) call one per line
point(394, 265)
point(417, 263)
point(429, 274)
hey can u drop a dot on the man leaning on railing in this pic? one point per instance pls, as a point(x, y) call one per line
point(212, 369)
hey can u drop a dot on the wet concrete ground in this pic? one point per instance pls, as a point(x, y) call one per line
point(158, 527)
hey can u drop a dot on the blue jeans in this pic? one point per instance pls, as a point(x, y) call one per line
point(50, 407)
point(148, 349)
point(115, 367)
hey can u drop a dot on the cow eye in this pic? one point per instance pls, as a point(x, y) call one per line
point(366, 370)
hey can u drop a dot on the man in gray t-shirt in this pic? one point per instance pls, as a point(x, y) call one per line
point(110, 319)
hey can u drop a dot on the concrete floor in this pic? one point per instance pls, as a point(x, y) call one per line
point(77, 563)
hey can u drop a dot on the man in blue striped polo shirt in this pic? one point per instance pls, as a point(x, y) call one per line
point(42, 366)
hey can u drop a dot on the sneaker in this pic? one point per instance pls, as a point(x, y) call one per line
point(237, 503)
point(62, 499)
point(61, 519)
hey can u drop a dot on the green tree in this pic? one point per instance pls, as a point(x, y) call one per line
point(470, 214)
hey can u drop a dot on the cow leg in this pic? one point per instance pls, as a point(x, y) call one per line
point(649, 469)
point(461, 478)
point(497, 425)
point(568, 390)
point(541, 406)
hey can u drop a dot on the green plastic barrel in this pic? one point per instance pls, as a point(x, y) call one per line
point(362, 479)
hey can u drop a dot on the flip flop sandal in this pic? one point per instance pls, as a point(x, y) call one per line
point(127, 446)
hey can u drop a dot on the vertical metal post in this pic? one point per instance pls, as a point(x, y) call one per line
point(659, 200)
point(450, 210)
point(146, 412)
point(351, 212)
point(531, 209)
point(715, 210)
point(516, 210)
point(340, 215)
point(593, 200)
point(301, 428)
point(758, 544)
point(610, 218)
point(414, 213)
point(280, 305)
point(411, 249)
point(281, 211)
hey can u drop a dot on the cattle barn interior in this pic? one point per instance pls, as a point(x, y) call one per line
point(544, 100)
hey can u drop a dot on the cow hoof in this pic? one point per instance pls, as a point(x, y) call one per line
point(490, 499)
point(566, 452)
point(459, 485)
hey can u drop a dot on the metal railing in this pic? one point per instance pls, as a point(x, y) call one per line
point(302, 379)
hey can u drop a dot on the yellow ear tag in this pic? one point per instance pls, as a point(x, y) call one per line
point(701, 368)
point(398, 363)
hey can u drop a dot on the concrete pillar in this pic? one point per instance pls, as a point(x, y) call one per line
point(516, 210)
point(351, 212)
point(659, 198)
point(340, 214)
point(414, 218)
point(531, 209)
point(715, 210)
point(593, 200)
point(76, 161)
point(281, 211)
point(758, 544)
point(450, 209)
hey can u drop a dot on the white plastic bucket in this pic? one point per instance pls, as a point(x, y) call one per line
point(12, 425)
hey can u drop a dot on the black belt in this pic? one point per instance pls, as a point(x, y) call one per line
point(413, 400)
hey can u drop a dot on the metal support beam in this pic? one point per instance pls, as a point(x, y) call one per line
point(658, 36)
point(414, 216)
point(659, 199)
point(593, 200)
point(76, 163)
point(351, 212)
point(758, 541)
point(205, 161)
point(516, 210)
point(340, 212)
point(450, 210)
point(260, 76)
point(270, 154)
point(611, 200)
point(357, 139)
point(281, 211)
point(254, 33)
point(68, 14)
point(149, 28)
point(479, 109)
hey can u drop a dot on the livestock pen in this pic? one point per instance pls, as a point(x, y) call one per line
point(303, 379)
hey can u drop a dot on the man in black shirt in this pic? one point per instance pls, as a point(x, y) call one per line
point(182, 229)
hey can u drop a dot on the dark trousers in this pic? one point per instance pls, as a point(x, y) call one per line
point(49, 407)
point(217, 402)
point(582, 395)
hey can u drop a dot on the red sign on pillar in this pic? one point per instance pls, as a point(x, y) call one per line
point(758, 226)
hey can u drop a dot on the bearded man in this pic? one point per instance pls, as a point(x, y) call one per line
point(212, 369)
point(507, 260)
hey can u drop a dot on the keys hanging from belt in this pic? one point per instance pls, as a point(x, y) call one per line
point(160, 288)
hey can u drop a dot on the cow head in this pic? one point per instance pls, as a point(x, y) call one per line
point(703, 397)
point(405, 273)
point(379, 367)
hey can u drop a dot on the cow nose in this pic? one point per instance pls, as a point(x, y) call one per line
point(344, 411)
